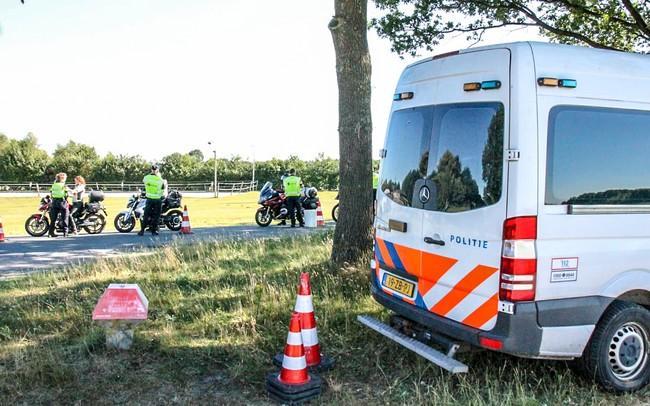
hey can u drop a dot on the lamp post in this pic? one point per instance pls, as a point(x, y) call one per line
point(216, 175)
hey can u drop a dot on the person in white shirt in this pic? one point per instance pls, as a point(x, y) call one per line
point(77, 194)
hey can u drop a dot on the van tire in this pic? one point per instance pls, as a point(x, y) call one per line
point(623, 324)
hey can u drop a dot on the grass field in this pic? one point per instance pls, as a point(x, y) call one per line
point(218, 313)
point(204, 212)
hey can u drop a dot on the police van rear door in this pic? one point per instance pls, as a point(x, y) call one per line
point(463, 193)
point(398, 225)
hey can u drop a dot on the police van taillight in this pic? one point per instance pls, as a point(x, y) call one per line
point(518, 259)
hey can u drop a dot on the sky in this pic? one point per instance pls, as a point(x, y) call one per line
point(152, 77)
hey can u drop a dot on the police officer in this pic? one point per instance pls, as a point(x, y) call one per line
point(284, 175)
point(292, 185)
point(375, 184)
point(153, 186)
point(59, 204)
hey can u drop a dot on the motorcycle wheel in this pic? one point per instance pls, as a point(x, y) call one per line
point(263, 218)
point(98, 223)
point(122, 225)
point(335, 212)
point(174, 220)
point(37, 226)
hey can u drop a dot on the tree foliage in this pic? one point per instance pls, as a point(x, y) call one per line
point(24, 161)
point(4, 141)
point(412, 25)
point(74, 158)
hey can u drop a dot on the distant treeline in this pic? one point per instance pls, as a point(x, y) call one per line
point(23, 161)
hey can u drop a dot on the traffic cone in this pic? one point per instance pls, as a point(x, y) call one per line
point(320, 219)
point(185, 226)
point(2, 233)
point(294, 384)
point(305, 308)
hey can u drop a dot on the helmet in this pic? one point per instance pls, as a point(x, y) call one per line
point(312, 192)
point(154, 167)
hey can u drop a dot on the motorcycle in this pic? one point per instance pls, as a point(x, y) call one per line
point(274, 205)
point(335, 211)
point(171, 215)
point(89, 218)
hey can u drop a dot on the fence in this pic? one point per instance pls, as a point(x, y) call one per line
point(226, 187)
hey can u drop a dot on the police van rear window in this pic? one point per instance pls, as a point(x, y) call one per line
point(598, 156)
point(458, 147)
point(407, 146)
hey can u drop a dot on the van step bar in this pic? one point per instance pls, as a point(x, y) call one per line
point(443, 361)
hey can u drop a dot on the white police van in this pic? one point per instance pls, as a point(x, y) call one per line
point(513, 211)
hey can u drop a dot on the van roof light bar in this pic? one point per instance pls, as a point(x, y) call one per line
point(570, 83)
point(403, 96)
point(491, 84)
point(470, 87)
point(552, 82)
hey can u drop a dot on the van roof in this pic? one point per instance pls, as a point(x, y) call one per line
point(627, 70)
point(559, 51)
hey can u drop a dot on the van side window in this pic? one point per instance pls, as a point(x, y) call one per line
point(598, 156)
point(467, 152)
point(407, 157)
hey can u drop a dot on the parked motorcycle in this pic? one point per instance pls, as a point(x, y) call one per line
point(335, 210)
point(171, 215)
point(89, 218)
point(274, 205)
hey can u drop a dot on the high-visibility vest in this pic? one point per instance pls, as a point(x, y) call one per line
point(375, 180)
point(292, 186)
point(153, 186)
point(58, 190)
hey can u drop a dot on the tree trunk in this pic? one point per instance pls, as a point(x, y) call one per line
point(352, 238)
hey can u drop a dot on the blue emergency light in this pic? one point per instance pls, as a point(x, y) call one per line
point(490, 84)
point(571, 83)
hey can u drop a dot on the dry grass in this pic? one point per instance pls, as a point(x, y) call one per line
point(218, 312)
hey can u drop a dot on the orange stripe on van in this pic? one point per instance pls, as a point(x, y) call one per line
point(376, 266)
point(434, 266)
point(385, 255)
point(463, 288)
point(484, 313)
point(424, 286)
point(410, 258)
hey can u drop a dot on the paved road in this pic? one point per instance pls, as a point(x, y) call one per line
point(22, 255)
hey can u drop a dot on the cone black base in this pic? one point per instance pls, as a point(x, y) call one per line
point(326, 363)
point(293, 394)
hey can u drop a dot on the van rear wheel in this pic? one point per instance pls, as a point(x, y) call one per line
point(618, 355)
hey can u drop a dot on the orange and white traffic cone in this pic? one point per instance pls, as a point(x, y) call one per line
point(185, 226)
point(2, 233)
point(294, 384)
point(305, 308)
point(320, 219)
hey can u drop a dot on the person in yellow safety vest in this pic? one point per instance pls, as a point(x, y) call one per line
point(153, 186)
point(375, 184)
point(292, 186)
point(59, 205)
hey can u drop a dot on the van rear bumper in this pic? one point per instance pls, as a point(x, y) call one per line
point(521, 333)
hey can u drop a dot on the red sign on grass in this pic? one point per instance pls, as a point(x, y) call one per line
point(121, 302)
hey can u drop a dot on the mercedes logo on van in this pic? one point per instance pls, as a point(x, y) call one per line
point(425, 194)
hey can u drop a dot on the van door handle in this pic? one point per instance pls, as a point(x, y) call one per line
point(430, 240)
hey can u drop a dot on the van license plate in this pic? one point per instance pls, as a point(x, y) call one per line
point(398, 285)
